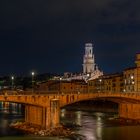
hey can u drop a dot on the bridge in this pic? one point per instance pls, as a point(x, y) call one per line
point(44, 109)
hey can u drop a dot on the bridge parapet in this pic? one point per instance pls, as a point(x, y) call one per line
point(43, 99)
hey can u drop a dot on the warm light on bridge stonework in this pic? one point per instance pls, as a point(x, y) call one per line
point(44, 110)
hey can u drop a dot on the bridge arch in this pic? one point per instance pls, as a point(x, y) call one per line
point(44, 110)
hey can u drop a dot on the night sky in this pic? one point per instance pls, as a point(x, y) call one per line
point(49, 35)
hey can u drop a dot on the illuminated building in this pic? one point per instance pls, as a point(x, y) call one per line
point(128, 81)
point(90, 68)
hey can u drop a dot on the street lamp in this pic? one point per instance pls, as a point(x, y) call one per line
point(100, 80)
point(60, 85)
point(12, 78)
point(33, 73)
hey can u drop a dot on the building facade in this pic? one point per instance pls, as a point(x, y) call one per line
point(138, 71)
point(130, 78)
point(64, 86)
point(106, 83)
point(127, 81)
point(92, 79)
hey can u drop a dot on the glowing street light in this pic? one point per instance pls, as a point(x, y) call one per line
point(33, 74)
point(100, 80)
point(12, 78)
point(60, 84)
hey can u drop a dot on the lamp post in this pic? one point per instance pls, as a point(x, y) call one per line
point(12, 78)
point(33, 73)
point(88, 75)
point(60, 86)
point(100, 80)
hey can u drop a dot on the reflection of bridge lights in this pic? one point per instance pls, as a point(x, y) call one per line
point(63, 112)
point(6, 105)
point(2, 104)
point(78, 117)
point(99, 129)
point(99, 114)
point(99, 125)
point(79, 114)
point(99, 118)
point(95, 133)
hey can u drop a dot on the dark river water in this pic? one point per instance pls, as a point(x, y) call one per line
point(88, 125)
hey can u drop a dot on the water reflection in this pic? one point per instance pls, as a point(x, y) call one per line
point(10, 108)
point(9, 112)
point(88, 125)
point(99, 127)
point(78, 120)
point(63, 111)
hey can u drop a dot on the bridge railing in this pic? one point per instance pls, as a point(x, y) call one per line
point(12, 92)
point(37, 92)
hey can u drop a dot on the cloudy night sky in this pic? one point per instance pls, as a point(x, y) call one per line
point(49, 35)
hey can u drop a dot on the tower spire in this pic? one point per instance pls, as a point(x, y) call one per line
point(88, 60)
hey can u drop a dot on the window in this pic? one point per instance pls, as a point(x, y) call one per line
point(90, 51)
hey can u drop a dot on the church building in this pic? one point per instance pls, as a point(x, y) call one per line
point(90, 69)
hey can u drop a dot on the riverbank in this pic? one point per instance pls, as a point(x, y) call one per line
point(37, 131)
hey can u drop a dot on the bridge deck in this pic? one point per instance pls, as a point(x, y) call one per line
point(65, 99)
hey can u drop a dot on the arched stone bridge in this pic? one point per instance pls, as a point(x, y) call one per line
point(44, 109)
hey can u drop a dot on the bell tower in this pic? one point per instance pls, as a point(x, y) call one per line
point(88, 59)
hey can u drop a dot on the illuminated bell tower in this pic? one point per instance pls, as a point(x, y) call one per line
point(88, 60)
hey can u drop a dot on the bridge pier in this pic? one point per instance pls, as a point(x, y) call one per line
point(45, 117)
point(129, 110)
point(33, 115)
point(54, 113)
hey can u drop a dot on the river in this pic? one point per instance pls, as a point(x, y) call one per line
point(88, 125)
